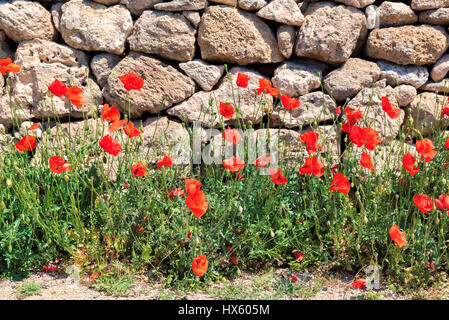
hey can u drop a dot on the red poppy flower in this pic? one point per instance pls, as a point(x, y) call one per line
point(393, 113)
point(365, 161)
point(34, 126)
point(232, 136)
point(58, 165)
point(290, 103)
point(445, 112)
point(130, 131)
point(338, 111)
point(233, 259)
point(262, 161)
point(397, 236)
point(298, 255)
point(366, 136)
point(242, 80)
point(28, 143)
point(425, 149)
point(446, 144)
point(340, 183)
point(199, 265)
point(197, 203)
point(131, 81)
point(431, 265)
point(410, 164)
point(294, 278)
point(6, 65)
point(443, 202)
point(353, 117)
point(312, 166)
point(310, 138)
point(117, 124)
point(165, 162)
point(423, 202)
point(276, 176)
point(110, 113)
point(226, 110)
point(110, 145)
point(359, 284)
point(175, 192)
point(234, 164)
point(57, 88)
point(139, 169)
point(192, 185)
point(265, 84)
point(76, 96)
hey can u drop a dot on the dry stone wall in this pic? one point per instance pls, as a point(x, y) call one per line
point(326, 53)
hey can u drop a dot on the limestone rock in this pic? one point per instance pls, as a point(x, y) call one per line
point(251, 5)
point(101, 66)
point(107, 2)
point(181, 5)
point(25, 20)
point(163, 85)
point(393, 73)
point(395, 14)
point(440, 68)
point(197, 107)
point(425, 111)
point(5, 51)
point(286, 36)
point(193, 17)
point(169, 35)
point(227, 34)
point(349, 79)
point(404, 94)
point(137, 7)
point(228, 2)
point(418, 45)
point(205, 74)
point(442, 86)
point(94, 27)
point(296, 78)
point(56, 14)
point(429, 4)
point(357, 3)
point(282, 11)
point(331, 33)
point(438, 16)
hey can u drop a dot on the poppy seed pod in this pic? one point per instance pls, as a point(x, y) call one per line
point(8, 183)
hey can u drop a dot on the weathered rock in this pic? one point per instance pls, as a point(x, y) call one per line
point(94, 27)
point(5, 51)
point(439, 16)
point(56, 14)
point(181, 5)
point(395, 14)
point(197, 107)
point(283, 11)
point(429, 4)
point(228, 2)
point(227, 34)
point(404, 94)
point(369, 100)
point(205, 74)
point(442, 86)
point(418, 45)
point(163, 85)
point(349, 79)
point(137, 7)
point(393, 73)
point(101, 66)
point(425, 110)
point(107, 2)
point(313, 109)
point(296, 78)
point(169, 35)
point(193, 17)
point(357, 3)
point(440, 68)
point(252, 4)
point(331, 33)
point(42, 62)
point(286, 36)
point(25, 20)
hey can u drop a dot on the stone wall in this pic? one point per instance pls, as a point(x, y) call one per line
point(179, 48)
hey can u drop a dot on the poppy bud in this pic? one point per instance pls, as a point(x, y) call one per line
point(8, 183)
point(2, 206)
point(66, 178)
point(272, 233)
point(240, 209)
point(443, 181)
point(9, 248)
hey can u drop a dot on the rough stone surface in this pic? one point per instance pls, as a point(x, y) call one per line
point(296, 78)
point(331, 33)
point(227, 34)
point(282, 11)
point(442, 86)
point(286, 36)
point(193, 17)
point(94, 27)
point(349, 79)
point(107, 2)
point(357, 3)
point(440, 68)
point(313, 109)
point(169, 35)
point(137, 7)
point(429, 4)
point(197, 107)
point(181, 5)
point(26, 20)
point(439, 16)
point(228, 2)
point(252, 4)
point(404, 94)
point(163, 85)
point(101, 66)
point(413, 75)
point(395, 14)
point(418, 45)
point(425, 111)
point(205, 74)
point(5, 51)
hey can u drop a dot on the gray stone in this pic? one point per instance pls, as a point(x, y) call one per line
point(137, 7)
point(438, 16)
point(252, 4)
point(429, 4)
point(357, 3)
point(393, 73)
point(101, 66)
point(282, 11)
point(181, 5)
point(440, 68)
point(395, 14)
point(441, 86)
point(205, 74)
point(193, 17)
point(286, 36)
